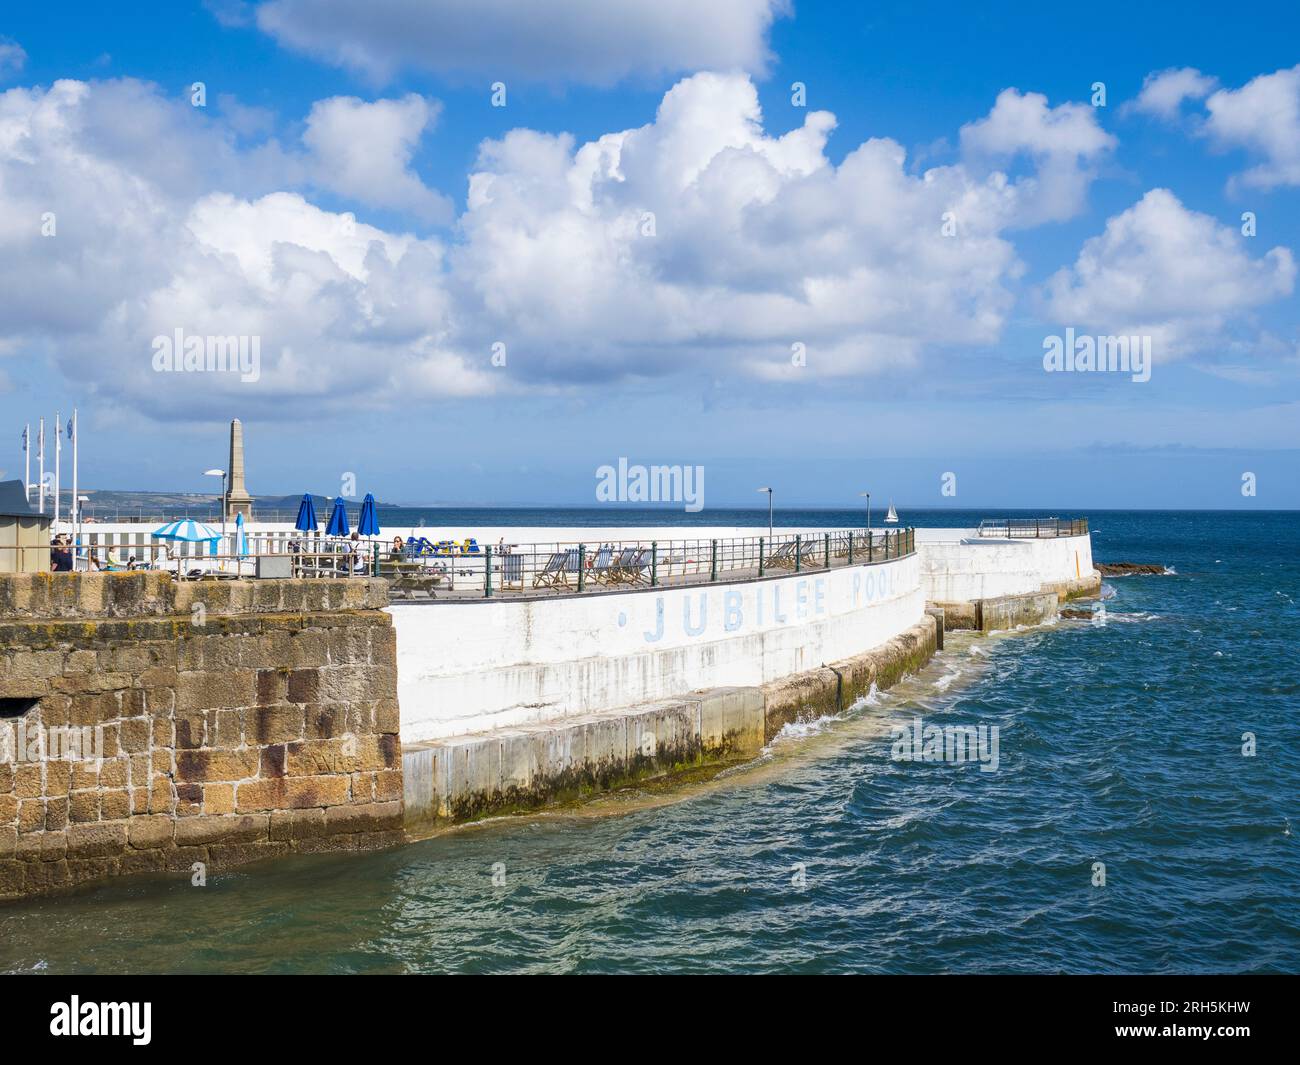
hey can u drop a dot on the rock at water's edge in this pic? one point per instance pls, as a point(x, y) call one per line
point(1128, 569)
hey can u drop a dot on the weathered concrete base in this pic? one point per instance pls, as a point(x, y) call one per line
point(957, 616)
point(511, 770)
point(940, 623)
point(1083, 588)
point(830, 689)
point(1011, 610)
point(1008, 611)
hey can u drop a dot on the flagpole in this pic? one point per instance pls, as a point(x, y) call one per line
point(27, 462)
point(40, 491)
point(76, 501)
point(58, 463)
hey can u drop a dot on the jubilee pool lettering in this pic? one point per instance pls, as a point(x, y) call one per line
point(772, 604)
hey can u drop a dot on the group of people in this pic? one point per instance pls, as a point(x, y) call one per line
point(63, 557)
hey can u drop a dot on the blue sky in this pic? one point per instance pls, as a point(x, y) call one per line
point(682, 265)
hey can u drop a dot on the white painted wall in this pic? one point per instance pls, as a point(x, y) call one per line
point(959, 567)
point(470, 666)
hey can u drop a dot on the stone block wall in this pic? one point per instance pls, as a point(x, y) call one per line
point(180, 722)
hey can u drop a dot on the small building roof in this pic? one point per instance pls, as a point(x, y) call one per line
point(14, 504)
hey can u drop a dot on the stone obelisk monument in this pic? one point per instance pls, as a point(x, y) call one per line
point(238, 501)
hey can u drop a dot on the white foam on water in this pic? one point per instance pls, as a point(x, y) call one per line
point(1133, 618)
point(801, 730)
point(941, 683)
point(874, 697)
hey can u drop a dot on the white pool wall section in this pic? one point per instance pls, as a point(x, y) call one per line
point(468, 667)
point(958, 566)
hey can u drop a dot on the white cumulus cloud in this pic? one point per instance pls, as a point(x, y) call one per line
point(1162, 270)
point(1263, 116)
point(362, 150)
point(700, 240)
point(1064, 143)
point(1164, 91)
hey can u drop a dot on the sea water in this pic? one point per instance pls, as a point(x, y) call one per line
point(1125, 829)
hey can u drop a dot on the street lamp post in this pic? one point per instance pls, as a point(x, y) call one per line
point(222, 475)
point(868, 495)
point(769, 512)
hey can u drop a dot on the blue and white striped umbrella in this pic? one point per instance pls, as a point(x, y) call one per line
point(187, 531)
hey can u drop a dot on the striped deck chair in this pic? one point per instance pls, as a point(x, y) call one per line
point(571, 565)
point(552, 574)
point(602, 566)
point(562, 566)
point(512, 569)
point(811, 552)
point(625, 569)
point(782, 556)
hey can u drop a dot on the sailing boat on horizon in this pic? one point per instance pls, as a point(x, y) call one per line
point(892, 516)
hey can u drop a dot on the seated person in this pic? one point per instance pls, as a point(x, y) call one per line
point(359, 554)
point(60, 555)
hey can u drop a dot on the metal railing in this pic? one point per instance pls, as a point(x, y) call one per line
point(466, 570)
point(1032, 528)
point(568, 567)
point(312, 557)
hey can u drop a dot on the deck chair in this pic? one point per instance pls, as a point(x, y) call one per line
point(552, 575)
point(571, 565)
point(782, 556)
point(640, 568)
point(624, 569)
point(512, 569)
point(602, 566)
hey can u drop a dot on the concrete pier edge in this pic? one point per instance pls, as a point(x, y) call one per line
point(515, 770)
point(1008, 611)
